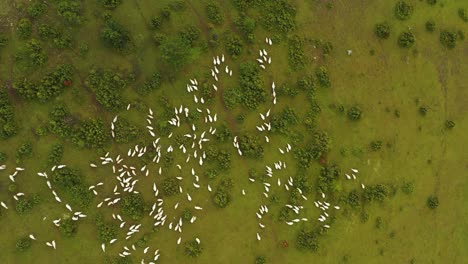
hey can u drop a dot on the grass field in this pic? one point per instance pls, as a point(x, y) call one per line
point(389, 83)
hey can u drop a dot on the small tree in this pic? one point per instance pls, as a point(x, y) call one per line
point(449, 124)
point(433, 202)
point(382, 30)
point(24, 28)
point(193, 249)
point(403, 10)
point(23, 244)
point(448, 38)
point(406, 39)
point(354, 113)
point(430, 25)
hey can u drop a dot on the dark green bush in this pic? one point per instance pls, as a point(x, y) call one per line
point(463, 14)
point(408, 188)
point(68, 227)
point(70, 10)
point(214, 14)
point(432, 202)
point(192, 248)
point(354, 113)
point(382, 30)
point(448, 38)
point(403, 10)
point(24, 28)
point(376, 145)
point(251, 86)
point(116, 36)
point(133, 205)
point(37, 9)
point(322, 76)
point(431, 2)
point(250, 146)
point(406, 39)
point(23, 205)
point(260, 260)
point(190, 34)
point(23, 244)
point(55, 155)
point(449, 124)
point(378, 192)
point(110, 4)
point(108, 87)
point(307, 240)
point(170, 186)
point(234, 45)
point(296, 57)
point(125, 131)
point(430, 25)
point(175, 52)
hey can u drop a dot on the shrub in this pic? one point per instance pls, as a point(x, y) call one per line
point(3, 41)
point(376, 192)
point(125, 131)
point(403, 10)
point(24, 28)
point(354, 113)
point(431, 2)
point(382, 30)
point(190, 34)
point(70, 10)
point(108, 87)
point(376, 145)
point(170, 186)
point(250, 146)
point(307, 240)
point(156, 22)
point(68, 227)
point(353, 199)
point(406, 39)
point(432, 202)
point(47, 31)
point(214, 14)
point(133, 205)
point(177, 5)
point(247, 26)
point(221, 198)
point(110, 4)
point(260, 260)
point(23, 205)
point(37, 9)
point(322, 76)
point(463, 14)
point(448, 38)
point(158, 38)
point(430, 25)
point(23, 244)
point(24, 151)
point(192, 248)
point(106, 231)
point(408, 188)
point(55, 155)
point(279, 16)
point(234, 45)
point(252, 93)
point(116, 36)
point(7, 117)
point(296, 56)
point(152, 83)
point(175, 52)
point(92, 134)
point(449, 124)
point(422, 111)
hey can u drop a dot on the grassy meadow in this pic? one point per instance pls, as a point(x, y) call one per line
point(405, 95)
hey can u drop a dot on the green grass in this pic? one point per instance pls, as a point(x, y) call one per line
point(415, 148)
